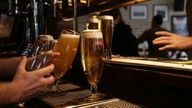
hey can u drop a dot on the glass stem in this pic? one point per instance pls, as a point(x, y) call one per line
point(93, 89)
point(54, 85)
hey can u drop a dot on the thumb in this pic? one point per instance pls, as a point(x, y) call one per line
point(22, 63)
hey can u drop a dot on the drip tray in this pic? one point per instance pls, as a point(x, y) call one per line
point(73, 96)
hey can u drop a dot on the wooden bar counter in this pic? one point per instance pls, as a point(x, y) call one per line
point(151, 82)
point(134, 82)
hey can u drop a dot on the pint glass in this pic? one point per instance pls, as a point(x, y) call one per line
point(106, 27)
point(42, 45)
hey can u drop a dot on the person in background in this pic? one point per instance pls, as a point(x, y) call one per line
point(23, 84)
point(149, 36)
point(174, 41)
point(124, 43)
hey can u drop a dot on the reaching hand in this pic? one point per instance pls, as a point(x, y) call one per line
point(172, 41)
point(27, 84)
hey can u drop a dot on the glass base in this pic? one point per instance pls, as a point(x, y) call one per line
point(54, 86)
point(87, 100)
point(108, 54)
point(21, 105)
point(94, 97)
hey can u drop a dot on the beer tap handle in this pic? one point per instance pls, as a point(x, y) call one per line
point(35, 17)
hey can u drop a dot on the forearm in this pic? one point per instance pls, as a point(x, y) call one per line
point(3, 92)
point(8, 67)
point(7, 95)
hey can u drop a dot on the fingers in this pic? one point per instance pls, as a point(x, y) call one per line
point(46, 70)
point(164, 33)
point(53, 54)
point(48, 80)
point(166, 47)
point(22, 63)
point(164, 39)
point(161, 40)
point(48, 57)
point(45, 75)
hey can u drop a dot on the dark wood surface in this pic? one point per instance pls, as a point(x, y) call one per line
point(143, 85)
point(153, 87)
point(146, 85)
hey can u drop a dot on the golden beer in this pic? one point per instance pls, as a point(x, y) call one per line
point(92, 53)
point(106, 27)
point(67, 46)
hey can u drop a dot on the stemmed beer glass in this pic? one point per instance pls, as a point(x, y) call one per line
point(42, 45)
point(67, 45)
point(92, 55)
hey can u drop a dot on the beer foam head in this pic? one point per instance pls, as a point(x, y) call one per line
point(45, 37)
point(69, 36)
point(91, 33)
point(106, 17)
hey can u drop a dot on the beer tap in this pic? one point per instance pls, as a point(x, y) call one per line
point(15, 9)
point(33, 17)
point(38, 16)
point(41, 9)
point(35, 24)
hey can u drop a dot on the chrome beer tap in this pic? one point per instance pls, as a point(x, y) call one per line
point(32, 14)
point(35, 24)
point(18, 12)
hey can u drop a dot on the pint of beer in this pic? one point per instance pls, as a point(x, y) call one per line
point(67, 45)
point(106, 27)
point(92, 54)
point(42, 44)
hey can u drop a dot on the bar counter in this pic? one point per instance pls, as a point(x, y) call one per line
point(151, 82)
point(127, 82)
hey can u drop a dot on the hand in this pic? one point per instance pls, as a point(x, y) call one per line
point(172, 41)
point(51, 55)
point(26, 85)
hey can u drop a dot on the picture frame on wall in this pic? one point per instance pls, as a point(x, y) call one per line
point(161, 9)
point(179, 25)
point(139, 12)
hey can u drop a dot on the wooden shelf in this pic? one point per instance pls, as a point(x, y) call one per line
point(94, 6)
